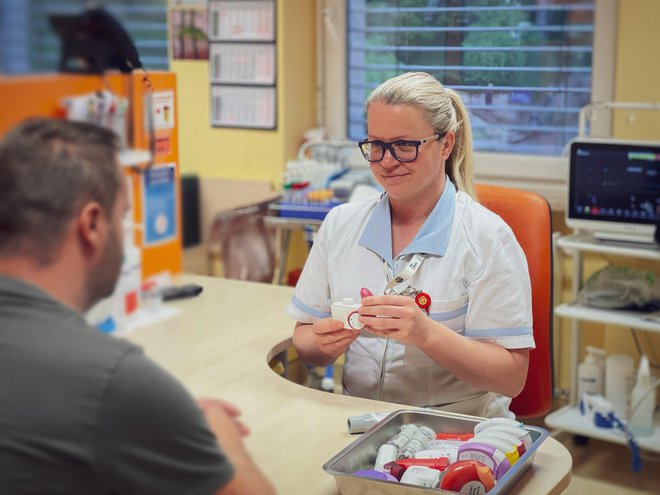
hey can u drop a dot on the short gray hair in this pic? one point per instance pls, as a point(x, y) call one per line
point(444, 111)
point(48, 170)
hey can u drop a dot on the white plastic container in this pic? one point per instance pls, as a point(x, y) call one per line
point(619, 381)
point(591, 373)
point(642, 402)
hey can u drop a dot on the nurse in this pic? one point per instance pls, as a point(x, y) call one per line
point(449, 323)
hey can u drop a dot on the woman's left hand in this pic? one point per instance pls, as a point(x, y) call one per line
point(396, 317)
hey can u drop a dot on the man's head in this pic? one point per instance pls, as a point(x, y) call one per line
point(60, 180)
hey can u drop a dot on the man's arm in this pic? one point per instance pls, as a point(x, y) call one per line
point(248, 479)
point(152, 437)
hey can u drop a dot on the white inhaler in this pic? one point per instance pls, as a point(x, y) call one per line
point(346, 311)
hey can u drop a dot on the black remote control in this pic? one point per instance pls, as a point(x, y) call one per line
point(181, 292)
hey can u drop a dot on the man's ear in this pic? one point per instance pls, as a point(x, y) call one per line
point(92, 226)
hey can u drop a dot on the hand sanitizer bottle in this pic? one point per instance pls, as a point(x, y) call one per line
point(642, 402)
point(591, 373)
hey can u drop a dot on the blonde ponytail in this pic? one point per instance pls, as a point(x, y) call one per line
point(460, 163)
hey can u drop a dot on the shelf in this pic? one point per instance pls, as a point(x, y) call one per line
point(586, 242)
point(133, 157)
point(569, 419)
point(630, 319)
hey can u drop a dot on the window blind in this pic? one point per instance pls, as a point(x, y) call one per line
point(34, 47)
point(522, 67)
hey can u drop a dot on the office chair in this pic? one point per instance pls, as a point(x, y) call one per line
point(528, 215)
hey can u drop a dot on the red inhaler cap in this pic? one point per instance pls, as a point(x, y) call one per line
point(461, 437)
point(439, 463)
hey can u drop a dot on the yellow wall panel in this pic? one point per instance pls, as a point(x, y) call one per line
point(638, 68)
point(245, 153)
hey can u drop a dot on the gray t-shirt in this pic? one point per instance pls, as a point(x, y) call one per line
point(86, 413)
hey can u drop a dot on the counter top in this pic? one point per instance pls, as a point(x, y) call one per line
point(220, 347)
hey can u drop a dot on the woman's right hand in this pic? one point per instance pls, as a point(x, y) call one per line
point(331, 338)
point(322, 342)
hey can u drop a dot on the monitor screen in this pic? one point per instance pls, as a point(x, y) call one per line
point(614, 186)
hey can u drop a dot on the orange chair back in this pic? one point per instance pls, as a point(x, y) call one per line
point(528, 215)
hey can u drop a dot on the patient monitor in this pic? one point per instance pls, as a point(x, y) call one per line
point(614, 189)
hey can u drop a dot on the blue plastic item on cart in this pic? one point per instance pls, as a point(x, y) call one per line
point(315, 211)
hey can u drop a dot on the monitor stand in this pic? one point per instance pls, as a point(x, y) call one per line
point(638, 238)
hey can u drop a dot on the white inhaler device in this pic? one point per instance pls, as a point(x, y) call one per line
point(346, 311)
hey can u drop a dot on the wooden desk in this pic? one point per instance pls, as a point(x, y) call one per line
point(220, 347)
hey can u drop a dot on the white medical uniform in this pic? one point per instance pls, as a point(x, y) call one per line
point(473, 268)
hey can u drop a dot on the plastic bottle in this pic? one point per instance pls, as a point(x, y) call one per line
point(642, 401)
point(419, 441)
point(619, 381)
point(401, 438)
point(591, 373)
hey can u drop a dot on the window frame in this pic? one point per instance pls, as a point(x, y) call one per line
point(543, 174)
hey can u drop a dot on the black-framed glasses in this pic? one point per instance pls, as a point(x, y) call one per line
point(402, 150)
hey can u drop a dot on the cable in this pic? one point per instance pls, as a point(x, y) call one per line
point(639, 347)
point(636, 340)
point(650, 346)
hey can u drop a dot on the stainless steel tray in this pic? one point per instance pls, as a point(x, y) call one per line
point(361, 454)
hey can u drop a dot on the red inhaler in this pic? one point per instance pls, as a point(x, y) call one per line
point(439, 463)
point(463, 472)
point(460, 437)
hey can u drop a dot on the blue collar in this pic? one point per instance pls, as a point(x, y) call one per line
point(432, 238)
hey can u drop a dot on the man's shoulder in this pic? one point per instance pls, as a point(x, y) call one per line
point(47, 332)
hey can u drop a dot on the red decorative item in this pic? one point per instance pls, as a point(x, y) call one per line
point(423, 300)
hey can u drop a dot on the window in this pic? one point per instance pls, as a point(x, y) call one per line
point(28, 44)
point(523, 67)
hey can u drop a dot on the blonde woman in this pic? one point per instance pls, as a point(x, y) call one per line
point(449, 323)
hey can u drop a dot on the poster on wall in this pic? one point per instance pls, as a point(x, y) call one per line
point(160, 118)
point(163, 110)
point(189, 37)
point(242, 64)
point(243, 20)
point(159, 204)
point(244, 106)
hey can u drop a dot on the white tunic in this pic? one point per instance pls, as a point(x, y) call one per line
point(473, 269)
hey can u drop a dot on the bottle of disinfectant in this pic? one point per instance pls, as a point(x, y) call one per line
point(642, 401)
point(591, 373)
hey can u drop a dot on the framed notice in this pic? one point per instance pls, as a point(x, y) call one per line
point(242, 20)
point(242, 63)
point(244, 106)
